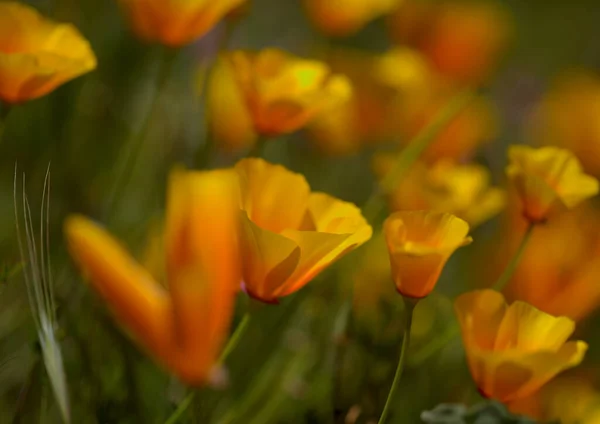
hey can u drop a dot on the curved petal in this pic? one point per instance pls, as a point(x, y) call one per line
point(141, 304)
point(269, 259)
point(480, 314)
point(273, 197)
point(202, 262)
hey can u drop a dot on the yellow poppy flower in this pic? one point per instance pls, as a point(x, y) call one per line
point(38, 55)
point(548, 179)
point(556, 277)
point(183, 325)
point(568, 400)
point(463, 40)
point(446, 186)
point(176, 22)
point(345, 17)
point(283, 93)
point(419, 244)
point(567, 117)
point(230, 122)
point(513, 350)
point(290, 234)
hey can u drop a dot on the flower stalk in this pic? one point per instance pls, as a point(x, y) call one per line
point(410, 305)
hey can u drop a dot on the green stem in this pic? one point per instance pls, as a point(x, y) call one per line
point(410, 307)
point(413, 151)
point(259, 147)
point(512, 266)
point(4, 111)
point(454, 331)
point(231, 345)
point(128, 161)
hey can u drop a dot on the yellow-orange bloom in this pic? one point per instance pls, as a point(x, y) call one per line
point(282, 92)
point(345, 17)
point(383, 87)
point(513, 350)
point(230, 122)
point(446, 186)
point(548, 179)
point(567, 116)
point(185, 325)
point(462, 40)
point(38, 55)
point(556, 277)
point(475, 125)
point(176, 22)
point(568, 400)
point(290, 234)
point(419, 244)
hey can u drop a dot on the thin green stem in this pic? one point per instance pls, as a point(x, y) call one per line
point(133, 148)
point(231, 345)
point(410, 307)
point(4, 111)
point(259, 147)
point(514, 263)
point(409, 155)
point(454, 331)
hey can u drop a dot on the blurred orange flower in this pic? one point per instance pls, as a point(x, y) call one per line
point(473, 126)
point(384, 85)
point(175, 22)
point(419, 245)
point(290, 234)
point(513, 350)
point(548, 179)
point(185, 325)
point(230, 122)
point(462, 39)
point(557, 277)
point(567, 116)
point(462, 190)
point(282, 92)
point(345, 17)
point(568, 400)
point(38, 55)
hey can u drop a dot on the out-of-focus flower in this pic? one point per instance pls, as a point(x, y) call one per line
point(419, 245)
point(473, 126)
point(462, 190)
point(567, 116)
point(282, 92)
point(568, 400)
point(183, 326)
point(462, 40)
point(513, 350)
point(175, 22)
point(290, 234)
point(345, 17)
point(38, 55)
point(230, 122)
point(548, 180)
point(375, 306)
point(557, 277)
point(384, 87)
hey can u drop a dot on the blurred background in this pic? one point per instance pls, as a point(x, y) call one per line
point(317, 357)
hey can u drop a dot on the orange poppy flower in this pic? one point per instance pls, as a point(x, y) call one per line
point(419, 244)
point(290, 234)
point(175, 22)
point(38, 55)
point(283, 93)
point(462, 190)
point(462, 40)
point(183, 325)
point(548, 180)
point(345, 17)
point(513, 350)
